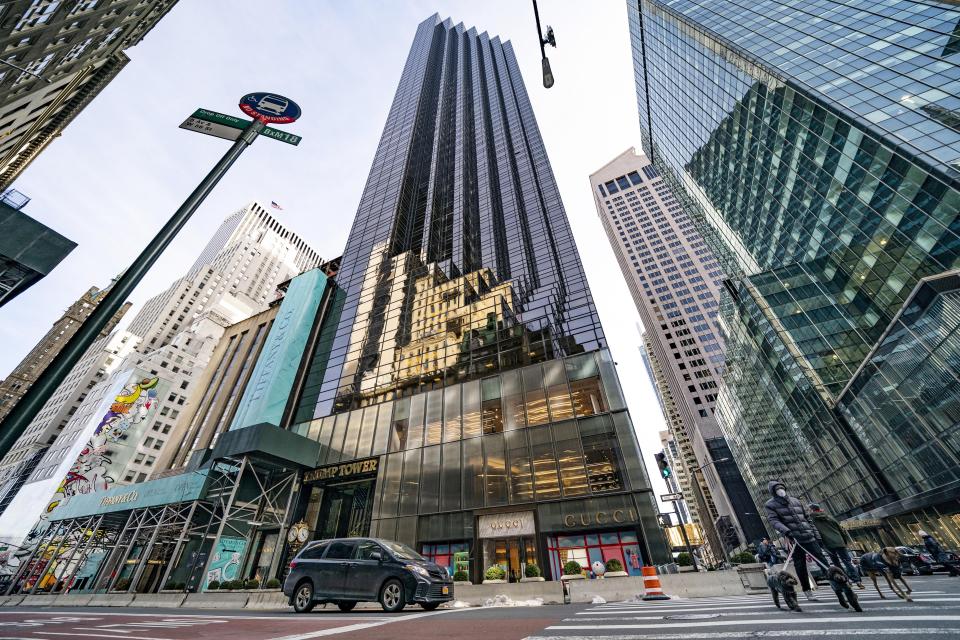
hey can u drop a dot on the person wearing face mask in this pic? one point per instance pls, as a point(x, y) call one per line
point(790, 518)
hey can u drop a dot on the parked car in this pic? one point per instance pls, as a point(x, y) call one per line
point(350, 570)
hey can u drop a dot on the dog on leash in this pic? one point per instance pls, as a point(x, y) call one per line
point(840, 584)
point(885, 562)
point(782, 583)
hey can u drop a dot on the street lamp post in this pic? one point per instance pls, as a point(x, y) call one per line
point(40, 391)
point(552, 41)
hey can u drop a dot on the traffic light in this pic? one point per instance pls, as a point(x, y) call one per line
point(662, 463)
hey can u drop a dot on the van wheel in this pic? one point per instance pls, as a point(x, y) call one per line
point(303, 598)
point(429, 606)
point(392, 598)
point(346, 605)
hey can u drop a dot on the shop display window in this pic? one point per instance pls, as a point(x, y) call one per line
point(589, 547)
point(452, 556)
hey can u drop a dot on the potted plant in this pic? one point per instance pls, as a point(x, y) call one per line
point(744, 557)
point(461, 577)
point(494, 575)
point(273, 583)
point(531, 573)
point(615, 569)
point(572, 571)
point(251, 584)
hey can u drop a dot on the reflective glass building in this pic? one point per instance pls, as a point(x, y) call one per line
point(818, 146)
point(468, 375)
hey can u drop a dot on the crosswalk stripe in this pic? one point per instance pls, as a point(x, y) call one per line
point(777, 620)
point(832, 602)
point(733, 635)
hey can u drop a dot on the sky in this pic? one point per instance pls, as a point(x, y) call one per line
point(123, 166)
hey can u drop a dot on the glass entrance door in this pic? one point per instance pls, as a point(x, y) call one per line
point(345, 511)
point(511, 554)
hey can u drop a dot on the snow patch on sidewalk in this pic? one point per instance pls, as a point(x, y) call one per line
point(507, 601)
point(598, 600)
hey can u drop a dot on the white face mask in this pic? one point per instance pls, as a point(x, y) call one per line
point(782, 493)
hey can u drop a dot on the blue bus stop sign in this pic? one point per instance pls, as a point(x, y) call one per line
point(270, 107)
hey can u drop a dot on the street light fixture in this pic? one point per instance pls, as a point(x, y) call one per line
point(552, 41)
point(710, 463)
point(28, 72)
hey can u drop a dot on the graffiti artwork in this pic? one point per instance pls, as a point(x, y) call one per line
point(91, 471)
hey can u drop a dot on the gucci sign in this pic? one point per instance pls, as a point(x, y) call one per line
point(600, 517)
point(502, 525)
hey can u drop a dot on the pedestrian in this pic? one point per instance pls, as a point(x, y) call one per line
point(835, 541)
point(790, 518)
point(934, 549)
point(767, 552)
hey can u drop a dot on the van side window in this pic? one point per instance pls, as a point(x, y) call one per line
point(313, 553)
point(340, 551)
point(367, 548)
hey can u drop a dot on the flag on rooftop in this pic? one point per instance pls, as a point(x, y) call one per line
point(275, 205)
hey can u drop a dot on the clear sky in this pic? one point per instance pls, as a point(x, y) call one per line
point(122, 167)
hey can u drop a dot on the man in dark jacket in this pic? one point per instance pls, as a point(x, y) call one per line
point(789, 517)
point(767, 552)
point(934, 549)
point(834, 540)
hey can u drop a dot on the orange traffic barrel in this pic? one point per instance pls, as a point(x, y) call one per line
point(651, 585)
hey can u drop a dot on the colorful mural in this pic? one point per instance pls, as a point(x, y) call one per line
point(135, 403)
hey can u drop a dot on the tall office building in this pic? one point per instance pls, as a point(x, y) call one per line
point(76, 49)
point(468, 356)
point(818, 150)
point(26, 373)
point(168, 343)
point(29, 250)
point(675, 281)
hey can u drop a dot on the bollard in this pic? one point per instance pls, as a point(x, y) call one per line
point(651, 585)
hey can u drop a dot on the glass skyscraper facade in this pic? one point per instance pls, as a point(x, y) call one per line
point(817, 145)
point(468, 374)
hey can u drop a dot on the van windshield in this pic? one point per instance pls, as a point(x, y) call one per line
point(402, 551)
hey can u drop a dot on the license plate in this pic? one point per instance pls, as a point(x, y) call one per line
point(446, 590)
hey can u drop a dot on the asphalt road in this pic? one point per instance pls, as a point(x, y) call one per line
point(935, 613)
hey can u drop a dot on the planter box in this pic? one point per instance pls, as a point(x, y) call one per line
point(537, 579)
point(461, 583)
point(579, 576)
point(494, 582)
point(616, 574)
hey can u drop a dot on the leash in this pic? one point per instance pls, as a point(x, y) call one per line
point(815, 559)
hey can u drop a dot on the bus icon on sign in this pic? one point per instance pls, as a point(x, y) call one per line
point(273, 104)
point(270, 107)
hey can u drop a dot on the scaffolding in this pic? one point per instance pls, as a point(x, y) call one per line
point(244, 498)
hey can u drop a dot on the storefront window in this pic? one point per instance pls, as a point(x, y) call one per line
point(588, 548)
point(391, 485)
point(492, 410)
point(600, 452)
point(573, 477)
point(383, 429)
point(453, 556)
point(415, 436)
point(558, 397)
point(495, 470)
point(368, 428)
point(511, 554)
point(513, 415)
point(336, 442)
point(518, 456)
point(410, 487)
point(534, 397)
point(451, 413)
point(472, 474)
point(430, 480)
point(471, 409)
point(434, 428)
point(401, 425)
point(450, 477)
point(544, 464)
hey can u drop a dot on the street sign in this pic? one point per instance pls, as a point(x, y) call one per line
point(671, 497)
point(230, 127)
point(210, 128)
point(270, 107)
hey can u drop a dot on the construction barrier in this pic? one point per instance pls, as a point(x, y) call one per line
point(651, 585)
